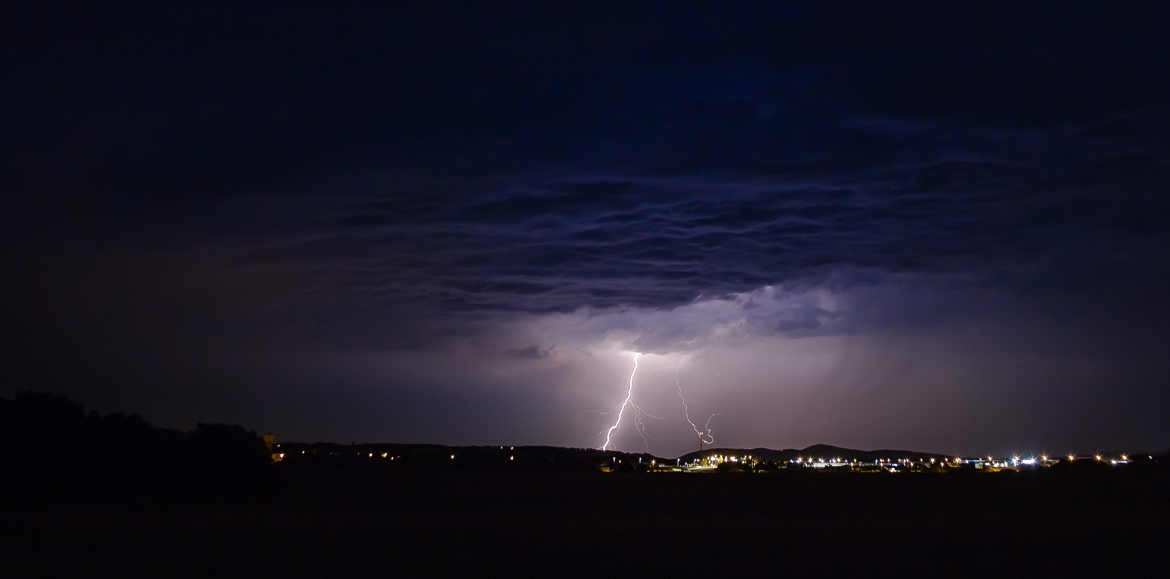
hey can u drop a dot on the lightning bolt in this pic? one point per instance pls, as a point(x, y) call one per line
point(640, 424)
point(622, 410)
point(705, 435)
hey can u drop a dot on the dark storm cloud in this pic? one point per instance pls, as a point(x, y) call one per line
point(409, 206)
point(197, 102)
point(952, 199)
point(531, 352)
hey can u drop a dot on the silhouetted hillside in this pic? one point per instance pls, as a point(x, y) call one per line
point(374, 457)
point(59, 451)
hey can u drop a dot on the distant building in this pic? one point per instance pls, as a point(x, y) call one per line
point(273, 448)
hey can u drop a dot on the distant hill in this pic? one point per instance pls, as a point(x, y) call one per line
point(443, 457)
point(560, 457)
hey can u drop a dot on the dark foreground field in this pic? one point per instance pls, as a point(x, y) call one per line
point(577, 524)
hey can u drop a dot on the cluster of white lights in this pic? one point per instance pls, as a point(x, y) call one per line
point(989, 463)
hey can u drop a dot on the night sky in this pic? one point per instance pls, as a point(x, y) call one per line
point(937, 229)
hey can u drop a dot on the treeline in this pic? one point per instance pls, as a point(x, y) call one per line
point(56, 450)
point(372, 457)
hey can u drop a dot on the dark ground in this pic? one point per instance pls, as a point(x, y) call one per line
point(416, 524)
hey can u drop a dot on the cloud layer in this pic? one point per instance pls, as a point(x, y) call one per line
point(880, 230)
